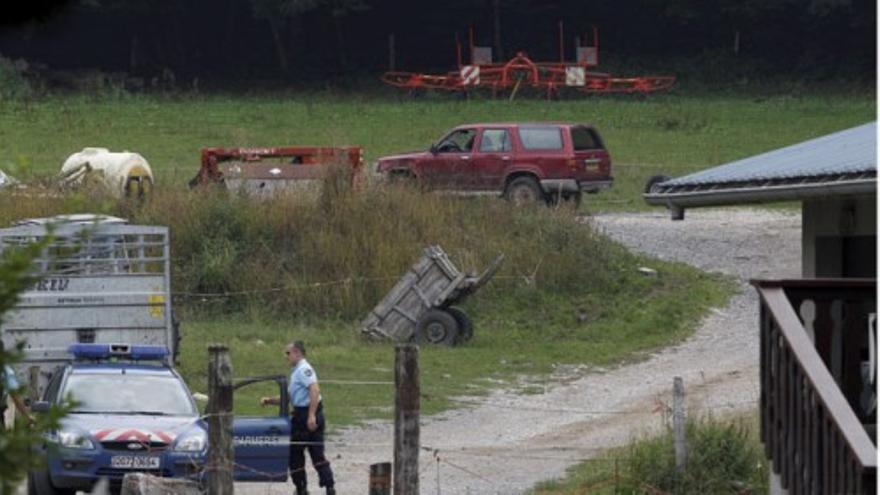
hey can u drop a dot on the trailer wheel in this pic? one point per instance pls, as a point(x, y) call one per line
point(437, 327)
point(465, 326)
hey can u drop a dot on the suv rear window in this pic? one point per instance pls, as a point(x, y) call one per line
point(541, 138)
point(585, 139)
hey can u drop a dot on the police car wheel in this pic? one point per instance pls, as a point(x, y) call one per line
point(437, 327)
point(39, 484)
point(465, 326)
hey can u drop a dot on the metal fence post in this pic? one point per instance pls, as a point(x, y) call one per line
point(406, 420)
point(220, 447)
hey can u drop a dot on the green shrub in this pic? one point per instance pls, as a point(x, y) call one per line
point(13, 83)
point(337, 252)
point(724, 457)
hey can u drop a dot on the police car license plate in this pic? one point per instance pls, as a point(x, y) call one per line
point(134, 462)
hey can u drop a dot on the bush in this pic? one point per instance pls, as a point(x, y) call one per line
point(724, 457)
point(337, 252)
point(13, 83)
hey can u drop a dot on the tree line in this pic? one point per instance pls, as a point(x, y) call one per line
point(293, 40)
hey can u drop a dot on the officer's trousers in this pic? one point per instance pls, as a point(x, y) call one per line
point(302, 439)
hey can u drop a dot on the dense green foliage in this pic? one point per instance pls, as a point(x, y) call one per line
point(200, 43)
point(724, 457)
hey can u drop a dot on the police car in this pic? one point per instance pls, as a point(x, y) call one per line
point(132, 412)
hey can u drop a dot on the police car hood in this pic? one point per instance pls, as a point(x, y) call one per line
point(132, 427)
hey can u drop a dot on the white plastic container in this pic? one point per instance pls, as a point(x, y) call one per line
point(124, 174)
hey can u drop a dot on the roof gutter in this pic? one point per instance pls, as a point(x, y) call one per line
point(677, 202)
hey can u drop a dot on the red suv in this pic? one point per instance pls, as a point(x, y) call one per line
point(523, 162)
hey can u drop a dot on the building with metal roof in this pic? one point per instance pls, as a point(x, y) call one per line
point(835, 178)
point(842, 163)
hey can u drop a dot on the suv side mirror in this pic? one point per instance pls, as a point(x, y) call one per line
point(40, 406)
point(433, 149)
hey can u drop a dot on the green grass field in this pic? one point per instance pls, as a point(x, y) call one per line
point(664, 134)
point(522, 329)
point(513, 338)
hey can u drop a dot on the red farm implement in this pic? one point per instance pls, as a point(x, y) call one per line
point(521, 72)
point(266, 170)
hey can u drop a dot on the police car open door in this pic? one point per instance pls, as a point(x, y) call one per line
point(262, 444)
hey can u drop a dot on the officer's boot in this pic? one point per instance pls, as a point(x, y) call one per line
point(302, 490)
point(331, 490)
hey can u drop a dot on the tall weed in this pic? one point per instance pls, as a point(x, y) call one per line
point(337, 254)
point(724, 457)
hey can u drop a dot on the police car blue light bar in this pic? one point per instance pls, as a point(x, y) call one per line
point(127, 351)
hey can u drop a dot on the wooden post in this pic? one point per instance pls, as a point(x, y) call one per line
point(380, 478)
point(220, 448)
point(678, 424)
point(392, 63)
point(406, 420)
point(34, 383)
point(616, 476)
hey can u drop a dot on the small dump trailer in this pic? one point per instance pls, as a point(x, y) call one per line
point(102, 281)
point(421, 307)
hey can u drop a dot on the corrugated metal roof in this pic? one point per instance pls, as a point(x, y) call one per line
point(851, 151)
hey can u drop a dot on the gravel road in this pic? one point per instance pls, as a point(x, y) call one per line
point(507, 442)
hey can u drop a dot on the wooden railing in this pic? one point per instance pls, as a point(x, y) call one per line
point(813, 424)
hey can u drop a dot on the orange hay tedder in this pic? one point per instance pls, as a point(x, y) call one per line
point(521, 72)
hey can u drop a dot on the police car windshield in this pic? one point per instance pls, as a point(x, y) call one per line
point(128, 394)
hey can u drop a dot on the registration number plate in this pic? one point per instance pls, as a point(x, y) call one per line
point(135, 462)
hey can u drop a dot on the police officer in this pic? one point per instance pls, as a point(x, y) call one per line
point(307, 421)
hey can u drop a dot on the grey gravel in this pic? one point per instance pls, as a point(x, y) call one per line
point(506, 442)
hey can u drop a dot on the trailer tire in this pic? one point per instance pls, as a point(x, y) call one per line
point(465, 325)
point(437, 326)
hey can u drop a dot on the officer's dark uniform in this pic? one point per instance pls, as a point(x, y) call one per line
point(301, 438)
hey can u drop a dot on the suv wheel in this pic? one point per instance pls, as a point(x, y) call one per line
point(524, 191)
point(401, 177)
